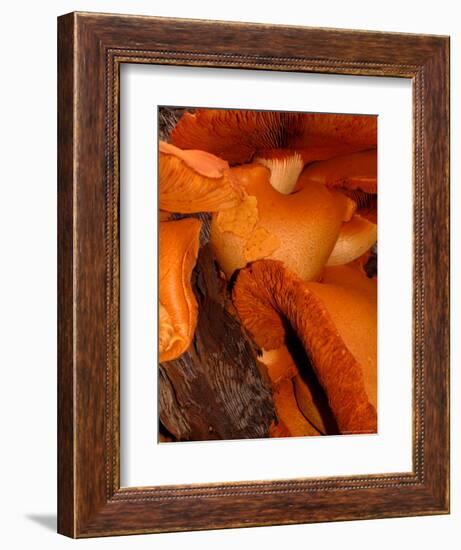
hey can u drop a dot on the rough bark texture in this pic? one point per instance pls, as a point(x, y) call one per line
point(167, 120)
point(214, 390)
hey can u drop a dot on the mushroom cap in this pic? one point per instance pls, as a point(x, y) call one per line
point(352, 171)
point(267, 295)
point(354, 175)
point(195, 181)
point(178, 250)
point(351, 301)
point(236, 135)
point(328, 135)
point(356, 237)
point(300, 229)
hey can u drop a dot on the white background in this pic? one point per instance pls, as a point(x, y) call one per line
point(143, 87)
point(28, 273)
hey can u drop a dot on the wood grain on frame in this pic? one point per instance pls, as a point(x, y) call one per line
point(91, 48)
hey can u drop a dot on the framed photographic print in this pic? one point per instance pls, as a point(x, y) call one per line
point(253, 275)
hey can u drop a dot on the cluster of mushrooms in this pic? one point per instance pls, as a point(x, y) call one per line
point(292, 200)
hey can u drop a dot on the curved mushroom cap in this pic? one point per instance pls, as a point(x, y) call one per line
point(236, 135)
point(355, 176)
point(195, 181)
point(351, 300)
point(351, 276)
point(300, 229)
point(330, 135)
point(178, 250)
point(266, 295)
point(356, 237)
point(353, 171)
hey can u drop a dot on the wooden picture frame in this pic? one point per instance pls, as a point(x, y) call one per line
point(91, 49)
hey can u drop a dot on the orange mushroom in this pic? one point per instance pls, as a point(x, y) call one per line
point(235, 135)
point(285, 167)
point(331, 321)
point(195, 181)
point(178, 250)
point(351, 300)
point(326, 135)
point(356, 237)
point(238, 135)
point(353, 171)
point(354, 175)
point(300, 229)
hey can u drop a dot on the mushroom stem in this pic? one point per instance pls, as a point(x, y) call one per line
point(285, 167)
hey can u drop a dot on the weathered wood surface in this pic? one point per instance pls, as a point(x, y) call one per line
point(214, 390)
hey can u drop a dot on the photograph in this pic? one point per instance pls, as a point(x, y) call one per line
point(196, 349)
point(267, 273)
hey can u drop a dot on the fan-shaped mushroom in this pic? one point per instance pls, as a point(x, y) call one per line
point(333, 324)
point(300, 229)
point(195, 181)
point(178, 249)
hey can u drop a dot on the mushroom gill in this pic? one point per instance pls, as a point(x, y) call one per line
point(331, 321)
point(285, 167)
point(238, 135)
point(194, 181)
point(235, 135)
point(300, 229)
point(178, 250)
